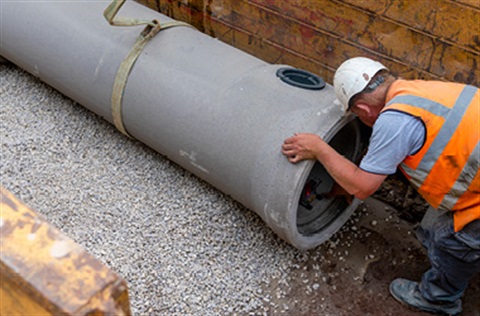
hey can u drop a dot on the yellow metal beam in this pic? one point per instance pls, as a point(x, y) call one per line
point(43, 272)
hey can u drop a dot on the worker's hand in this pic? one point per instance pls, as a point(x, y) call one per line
point(338, 191)
point(301, 146)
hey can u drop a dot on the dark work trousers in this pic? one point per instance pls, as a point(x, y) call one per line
point(455, 257)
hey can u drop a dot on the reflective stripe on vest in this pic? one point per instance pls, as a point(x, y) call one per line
point(465, 178)
point(453, 117)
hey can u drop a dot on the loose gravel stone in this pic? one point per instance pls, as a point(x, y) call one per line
point(183, 247)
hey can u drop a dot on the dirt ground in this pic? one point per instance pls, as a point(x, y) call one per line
point(350, 274)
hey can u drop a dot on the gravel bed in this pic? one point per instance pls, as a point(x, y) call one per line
point(183, 246)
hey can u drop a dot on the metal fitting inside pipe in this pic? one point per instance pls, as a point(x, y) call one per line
point(214, 110)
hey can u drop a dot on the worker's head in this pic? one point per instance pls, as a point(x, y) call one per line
point(354, 76)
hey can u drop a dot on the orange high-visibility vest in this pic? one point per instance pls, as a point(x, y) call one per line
point(445, 171)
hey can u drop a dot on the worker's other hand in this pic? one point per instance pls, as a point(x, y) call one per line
point(301, 146)
point(338, 191)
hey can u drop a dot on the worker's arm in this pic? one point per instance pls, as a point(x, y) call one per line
point(354, 180)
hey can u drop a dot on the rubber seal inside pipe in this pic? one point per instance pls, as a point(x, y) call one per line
point(316, 213)
point(300, 78)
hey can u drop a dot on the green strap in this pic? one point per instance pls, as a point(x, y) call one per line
point(112, 10)
point(151, 29)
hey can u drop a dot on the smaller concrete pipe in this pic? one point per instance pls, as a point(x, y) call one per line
point(213, 109)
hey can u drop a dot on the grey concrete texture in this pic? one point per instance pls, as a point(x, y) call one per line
point(213, 109)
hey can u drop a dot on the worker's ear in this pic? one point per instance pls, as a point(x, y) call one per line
point(362, 109)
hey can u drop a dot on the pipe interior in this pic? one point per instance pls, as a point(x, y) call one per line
point(315, 211)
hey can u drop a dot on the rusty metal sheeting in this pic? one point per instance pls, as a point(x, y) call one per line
point(414, 41)
point(44, 272)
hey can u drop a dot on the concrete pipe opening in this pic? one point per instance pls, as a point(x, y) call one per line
point(317, 214)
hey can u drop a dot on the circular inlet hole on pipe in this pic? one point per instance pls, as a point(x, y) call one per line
point(300, 78)
point(315, 211)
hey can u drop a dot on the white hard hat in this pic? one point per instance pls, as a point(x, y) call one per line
point(353, 76)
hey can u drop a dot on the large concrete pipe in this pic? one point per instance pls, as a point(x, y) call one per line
point(215, 110)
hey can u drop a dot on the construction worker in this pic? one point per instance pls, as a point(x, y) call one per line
point(430, 130)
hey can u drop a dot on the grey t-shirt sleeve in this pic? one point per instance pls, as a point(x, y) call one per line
point(395, 136)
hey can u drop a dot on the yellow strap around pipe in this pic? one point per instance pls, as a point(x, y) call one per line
point(152, 28)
